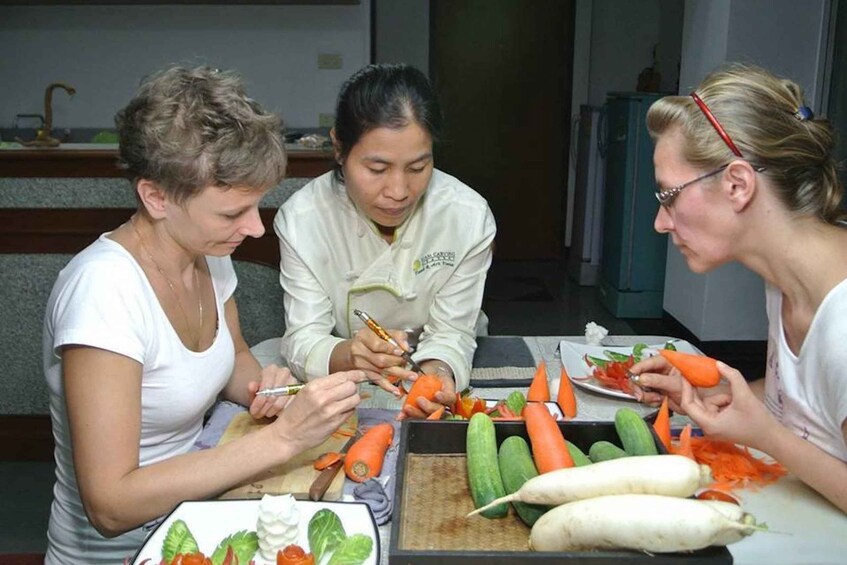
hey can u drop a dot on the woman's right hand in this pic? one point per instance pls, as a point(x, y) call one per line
point(657, 378)
point(319, 409)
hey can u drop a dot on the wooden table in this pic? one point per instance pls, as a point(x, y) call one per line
point(804, 527)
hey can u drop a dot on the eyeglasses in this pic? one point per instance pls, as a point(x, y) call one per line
point(667, 196)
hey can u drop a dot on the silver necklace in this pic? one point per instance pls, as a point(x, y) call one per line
point(195, 335)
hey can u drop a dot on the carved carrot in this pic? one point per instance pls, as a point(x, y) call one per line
point(699, 370)
point(425, 386)
point(539, 390)
point(565, 397)
point(662, 425)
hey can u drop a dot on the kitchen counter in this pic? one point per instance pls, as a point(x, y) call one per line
point(99, 160)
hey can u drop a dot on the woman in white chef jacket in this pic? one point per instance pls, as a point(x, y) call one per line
point(388, 234)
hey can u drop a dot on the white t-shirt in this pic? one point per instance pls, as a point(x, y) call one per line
point(808, 392)
point(103, 299)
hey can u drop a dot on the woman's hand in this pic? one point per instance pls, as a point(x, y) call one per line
point(271, 376)
point(736, 416)
point(319, 409)
point(382, 362)
point(657, 378)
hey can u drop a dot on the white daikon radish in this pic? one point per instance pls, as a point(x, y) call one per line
point(671, 475)
point(645, 522)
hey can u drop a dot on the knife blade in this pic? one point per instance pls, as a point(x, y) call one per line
point(321, 483)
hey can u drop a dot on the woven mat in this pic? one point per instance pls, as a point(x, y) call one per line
point(508, 377)
point(435, 504)
point(498, 351)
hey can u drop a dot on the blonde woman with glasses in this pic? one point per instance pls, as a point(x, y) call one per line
point(746, 173)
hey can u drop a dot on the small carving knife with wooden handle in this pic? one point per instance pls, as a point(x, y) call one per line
point(326, 476)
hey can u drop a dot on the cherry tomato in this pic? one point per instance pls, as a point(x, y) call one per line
point(714, 494)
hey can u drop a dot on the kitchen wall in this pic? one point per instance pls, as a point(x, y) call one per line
point(729, 302)
point(103, 51)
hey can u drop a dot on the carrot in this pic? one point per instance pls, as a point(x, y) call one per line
point(549, 448)
point(425, 387)
point(565, 397)
point(327, 459)
point(684, 446)
point(437, 414)
point(539, 390)
point(699, 370)
point(734, 466)
point(364, 458)
point(662, 425)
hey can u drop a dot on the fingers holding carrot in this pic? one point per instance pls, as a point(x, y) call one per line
point(736, 415)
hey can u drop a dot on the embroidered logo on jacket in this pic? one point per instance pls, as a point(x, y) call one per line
point(432, 260)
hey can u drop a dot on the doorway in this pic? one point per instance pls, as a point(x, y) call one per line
point(502, 70)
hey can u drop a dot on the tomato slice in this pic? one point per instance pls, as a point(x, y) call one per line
point(294, 555)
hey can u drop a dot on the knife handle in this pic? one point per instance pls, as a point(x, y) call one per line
point(322, 482)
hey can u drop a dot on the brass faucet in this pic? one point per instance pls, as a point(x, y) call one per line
point(43, 138)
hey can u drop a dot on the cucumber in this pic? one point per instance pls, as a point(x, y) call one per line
point(604, 450)
point(579, 458)
point(483, 470)
point(517, 467)
point(634, 432)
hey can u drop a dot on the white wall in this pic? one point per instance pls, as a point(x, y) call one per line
point(103, 51)
point(729, 303)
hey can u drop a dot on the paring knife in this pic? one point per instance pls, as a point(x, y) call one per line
point(326, 476)
point(380, 331)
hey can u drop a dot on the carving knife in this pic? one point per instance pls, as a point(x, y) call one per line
point(326, 476)
point(380, 331)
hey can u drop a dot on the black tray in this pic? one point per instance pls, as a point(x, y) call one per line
point(448, 437)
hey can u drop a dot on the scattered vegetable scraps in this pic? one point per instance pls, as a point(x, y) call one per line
point(734, 466)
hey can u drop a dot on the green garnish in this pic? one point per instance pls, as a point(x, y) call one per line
point(326, 533)
point(178, 540)
point(516, 402)
point(352, 550)
point(244, 545)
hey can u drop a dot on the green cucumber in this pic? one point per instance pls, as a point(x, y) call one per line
point(516, 468)
point(483, 470)
point(579, 458)
point(634, 433)
point(604, 450)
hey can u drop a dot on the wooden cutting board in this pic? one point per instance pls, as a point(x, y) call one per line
point(294, 476)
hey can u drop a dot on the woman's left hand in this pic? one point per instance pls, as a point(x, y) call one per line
point(739, 416)
point(272, 376)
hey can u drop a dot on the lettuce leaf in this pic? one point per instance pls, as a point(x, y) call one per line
point(325, 532)
point(352, 550)
point(178, 540)
point(244, 545)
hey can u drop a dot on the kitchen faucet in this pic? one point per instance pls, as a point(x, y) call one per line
point(43, 138)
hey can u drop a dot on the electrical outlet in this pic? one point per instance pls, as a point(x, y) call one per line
point(326, 120)
point(329, 60)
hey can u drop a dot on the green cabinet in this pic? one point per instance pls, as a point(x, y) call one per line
point(632, 271)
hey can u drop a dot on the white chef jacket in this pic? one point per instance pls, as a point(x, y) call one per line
point(429, 280)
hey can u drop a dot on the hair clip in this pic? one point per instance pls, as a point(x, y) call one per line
point(804, 113)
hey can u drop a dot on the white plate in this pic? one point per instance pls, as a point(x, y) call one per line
point(210, 521)
point(552, 407)
point(573, 354)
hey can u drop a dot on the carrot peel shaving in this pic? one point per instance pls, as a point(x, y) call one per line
point(734, 466)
